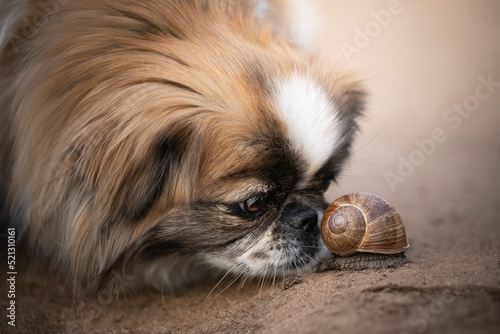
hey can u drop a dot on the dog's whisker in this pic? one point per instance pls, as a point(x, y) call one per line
point(297, 267)
point(274, 276)
point(220, 281)
point(372, 164)
point(359, 177)
point(312, 247)
point(374, 136)
point(242, 281)
point(377, 158)
point(245, 277)
point(312, 259)
point(163, 296)
point(227, 287)
point(263, 281)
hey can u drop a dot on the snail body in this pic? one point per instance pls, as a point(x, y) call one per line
point(363, 222)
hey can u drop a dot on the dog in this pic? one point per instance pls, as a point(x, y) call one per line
point(166, 141)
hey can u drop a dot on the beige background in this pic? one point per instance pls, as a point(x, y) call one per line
point(426, 60)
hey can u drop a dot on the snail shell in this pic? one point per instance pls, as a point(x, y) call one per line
point(363, 222)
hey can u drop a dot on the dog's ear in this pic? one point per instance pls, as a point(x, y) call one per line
point(127, 176)
point(170, 167)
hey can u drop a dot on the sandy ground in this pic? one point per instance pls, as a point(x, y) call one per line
point(426, 58)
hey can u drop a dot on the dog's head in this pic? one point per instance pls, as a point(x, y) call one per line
point(194, 135)
point(235, 175)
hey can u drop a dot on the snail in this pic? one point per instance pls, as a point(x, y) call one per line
point(363, 222)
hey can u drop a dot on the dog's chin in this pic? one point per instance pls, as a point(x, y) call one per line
point(274, 251)
point(278, 252)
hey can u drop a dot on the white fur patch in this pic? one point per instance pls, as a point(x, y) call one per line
point(311, 118)
point(267, 255)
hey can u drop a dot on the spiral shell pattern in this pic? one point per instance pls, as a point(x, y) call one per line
point(363, 222)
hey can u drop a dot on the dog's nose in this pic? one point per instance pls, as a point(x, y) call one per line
point(304, 217)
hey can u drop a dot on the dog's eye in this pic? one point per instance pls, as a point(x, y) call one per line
point(254, 204)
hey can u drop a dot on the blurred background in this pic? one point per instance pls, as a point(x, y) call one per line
point(423, 62)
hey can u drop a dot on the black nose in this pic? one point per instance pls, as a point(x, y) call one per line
point(303, 218)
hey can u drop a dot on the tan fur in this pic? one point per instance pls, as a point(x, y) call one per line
point(88, 98)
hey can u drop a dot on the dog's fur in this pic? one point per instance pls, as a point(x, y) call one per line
point(133, 134)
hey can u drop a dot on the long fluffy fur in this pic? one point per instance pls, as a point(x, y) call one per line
point(120, 119)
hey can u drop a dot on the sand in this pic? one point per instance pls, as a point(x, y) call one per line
point(429, 57)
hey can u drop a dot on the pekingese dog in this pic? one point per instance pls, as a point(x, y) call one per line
point(166, 140)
